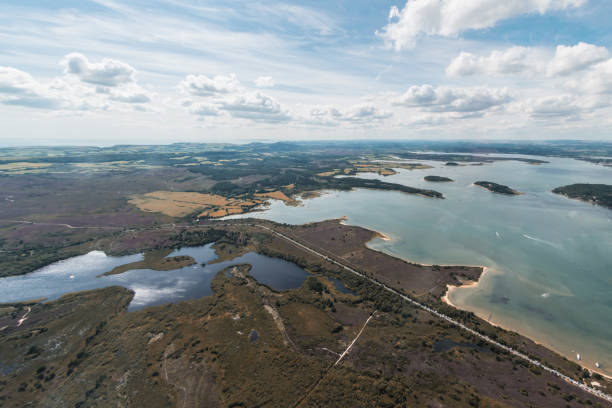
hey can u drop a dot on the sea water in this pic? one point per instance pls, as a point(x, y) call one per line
point(549, 258)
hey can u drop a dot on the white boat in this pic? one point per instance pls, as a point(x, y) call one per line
point(597, 365)
point(578, 357)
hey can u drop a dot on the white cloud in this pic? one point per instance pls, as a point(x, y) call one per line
point(598, 80)
point(529, 61)
point(130, 97)
point(363, 114)
point(553, 107)
point(569, 59)
point(265, 82)
point(72, 92)
point(19, 88)
point(514, 60)
point(460, 100)
point(203, 109)
point(448, 18)
point(255, 106)
point(201, 85)
point(109, 72)
point(225, 94)
point(14, 81)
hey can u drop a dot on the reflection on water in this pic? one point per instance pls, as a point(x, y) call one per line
point(150, 287)
point(550, 257)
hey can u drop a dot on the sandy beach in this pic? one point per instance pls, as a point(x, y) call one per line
point(471, 284)
point(464, 284)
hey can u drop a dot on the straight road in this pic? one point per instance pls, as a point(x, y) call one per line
point(404, 297)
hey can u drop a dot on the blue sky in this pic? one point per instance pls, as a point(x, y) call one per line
point(107, 71)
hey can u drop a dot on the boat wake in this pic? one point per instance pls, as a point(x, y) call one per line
point(541, 241)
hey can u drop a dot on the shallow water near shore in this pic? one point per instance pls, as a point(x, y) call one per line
point(549, 257)
point(150, 287)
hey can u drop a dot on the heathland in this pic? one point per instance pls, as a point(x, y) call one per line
point(249, 345)
point(246, 344)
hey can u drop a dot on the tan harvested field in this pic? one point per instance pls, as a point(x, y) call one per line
point(214, 214)
point(113, 165)
point(234, 210)
point(181, 204)
point(328, 173)
point(233, 206)
point(176, 204)
point(278, 195)
point(387, 168)
point(22, 167)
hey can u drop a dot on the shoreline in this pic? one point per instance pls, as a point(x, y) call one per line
point(515, 192)
point(385, 237)
point(472, 284)
point(464, 284)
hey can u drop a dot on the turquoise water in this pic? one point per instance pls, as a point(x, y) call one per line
point(150, 287)
point(549, 258)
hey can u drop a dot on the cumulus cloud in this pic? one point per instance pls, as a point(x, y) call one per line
point(459, 100)
point(19, 88)
point(127, 97)
point(201, 85)
point(529, 61)
point(514, 60)
point(450, 17)
point(84, 87)
point(569, 59)
point(329, 115)
point(553, 107)
point(265, 82)
point(14, 81)
point(598, 80)
point(109, 72)
point(203, 109)
point(255, 106)
point(224, 94)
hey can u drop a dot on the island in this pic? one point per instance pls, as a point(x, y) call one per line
point(452, 164)
point(437, 179)
point(598, 194)
point(155, 260)
point(496, 188)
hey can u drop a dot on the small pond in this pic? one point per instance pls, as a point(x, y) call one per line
point(150, 287)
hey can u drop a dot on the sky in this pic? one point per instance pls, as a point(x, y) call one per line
point(104, 72)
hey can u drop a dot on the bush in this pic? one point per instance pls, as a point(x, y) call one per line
point(314, 284)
